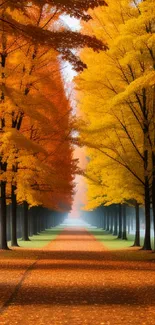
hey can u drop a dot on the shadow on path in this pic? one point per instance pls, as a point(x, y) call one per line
point(76, 270)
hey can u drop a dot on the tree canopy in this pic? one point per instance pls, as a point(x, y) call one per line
point(117, 98)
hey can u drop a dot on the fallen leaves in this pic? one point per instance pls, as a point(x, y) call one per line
point(76, 281)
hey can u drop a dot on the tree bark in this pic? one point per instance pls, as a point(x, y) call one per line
point(153, 193)
point(111, 220)
point(107, 228)
point(31, 224)
point(137, 233)
point(13, 217)
point(104, 219)
point(8, 224)
point(35, 230)
point(35, 226)
point(147, 237)
point(25, 222)
point(120, 222)
point(128, 222)
point(3, 218)
point(115, 233)
point(124, 234)
point(38, 221)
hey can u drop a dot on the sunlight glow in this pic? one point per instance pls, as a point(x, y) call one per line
point(71, 222)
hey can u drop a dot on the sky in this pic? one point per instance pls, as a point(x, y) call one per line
point(80, 197)
point(71, 22)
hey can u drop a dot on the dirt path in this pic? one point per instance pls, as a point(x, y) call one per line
point(75, 281)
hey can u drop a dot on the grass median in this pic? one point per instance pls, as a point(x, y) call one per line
point(112, 242)
point(40, 240)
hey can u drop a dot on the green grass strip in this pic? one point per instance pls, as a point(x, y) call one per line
point(112, 242)
point(40, 240)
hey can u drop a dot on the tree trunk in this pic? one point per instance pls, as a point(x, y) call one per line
point(128, 222)
point(104, 219)
point(25, 222)
point(31, 224)
point(92, 222)
point(137, 234)
point(147, 238)
point(107, 228)
point(61, 220)
point(111, 221)
point(20, 220)
point(38, 221)
point(47, 221)
point(35, 226)
point(124, 234)
point(13, 217)
point(42, 221)
point(8, 230)
point(3, 219)
point(115, 233)
point(35, 230)
point(153, 194)
point(120, 222)
point(131, 223)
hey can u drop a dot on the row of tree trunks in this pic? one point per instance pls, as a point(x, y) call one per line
point(120, 224)
point(32, 221)
point(114, 220)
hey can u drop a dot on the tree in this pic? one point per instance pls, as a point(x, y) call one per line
point(119, 98)
point(43, 133)
point(27, 26)
point(15, 19)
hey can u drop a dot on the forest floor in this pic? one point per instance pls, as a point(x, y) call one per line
point(75, 280)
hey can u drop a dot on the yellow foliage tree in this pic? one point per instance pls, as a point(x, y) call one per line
point(117, 97)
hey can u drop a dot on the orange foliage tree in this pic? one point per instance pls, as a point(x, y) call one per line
point(37, 167)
